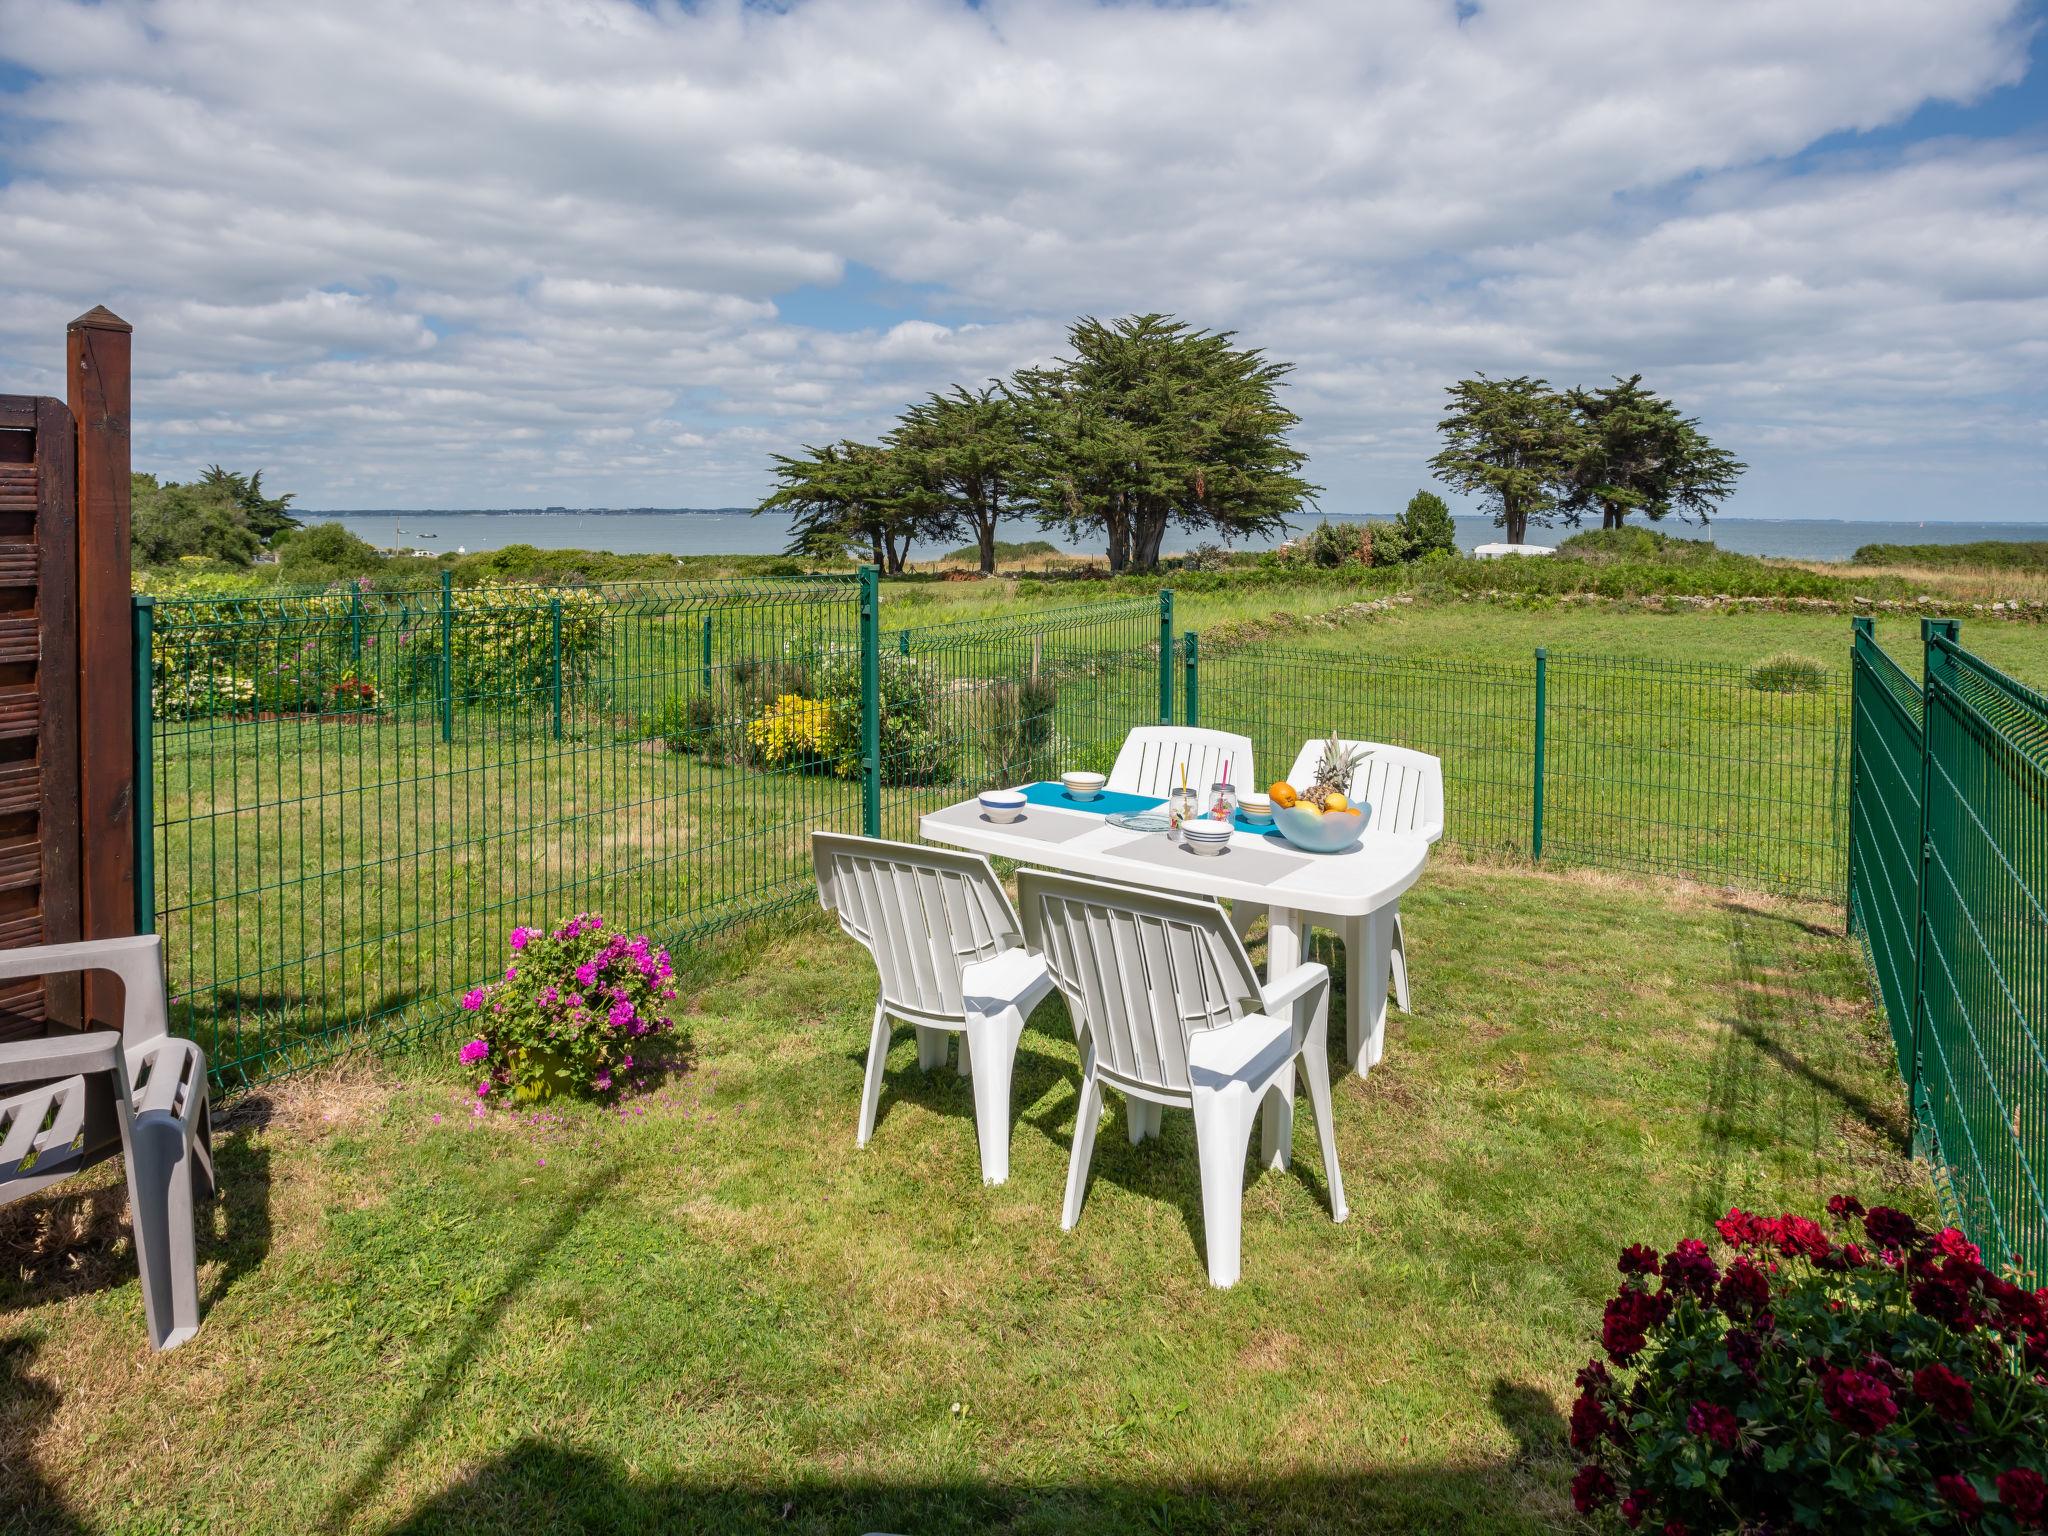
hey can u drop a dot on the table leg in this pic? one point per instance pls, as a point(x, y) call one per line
point(1368, 961)
point(1286, 932)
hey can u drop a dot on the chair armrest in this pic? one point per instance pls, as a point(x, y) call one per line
point(1276, 995)
point(27, 1061)
point(1303, 996)
point(138, 961)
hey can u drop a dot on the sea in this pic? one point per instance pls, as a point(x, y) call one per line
point(735, 531)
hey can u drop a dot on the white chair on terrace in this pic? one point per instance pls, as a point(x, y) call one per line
point(1169, 1012)
point(951, 958)
point(1403, 793)
point(1152, 756)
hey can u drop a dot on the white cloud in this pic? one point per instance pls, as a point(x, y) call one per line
point(409, 254)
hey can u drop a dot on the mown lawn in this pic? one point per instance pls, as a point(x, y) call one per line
point(709, 1312)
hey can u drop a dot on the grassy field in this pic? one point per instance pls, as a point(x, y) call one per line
point(705, 1311)
point(325, 879)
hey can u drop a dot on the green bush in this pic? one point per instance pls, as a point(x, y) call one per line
point(915, 747)
point(713, 725)
point(1005, 550)
point(503, 642)
point(1788, 673)
point(1329, 545)
point(326, 553)
point(1021, 745)
point(1994, 554)
point(1388, 542)
point(1428, 527)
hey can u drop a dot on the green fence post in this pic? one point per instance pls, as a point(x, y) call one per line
point(145, 767)
point(555, 647)
point(903, 643)
point(871, 701)
point(1536, 767)
point(355, 625)
point(704, 655)
point(1191, 695)
point(1949, 630)
point(447, 656)
point(1866, 627)
point(1166, 656)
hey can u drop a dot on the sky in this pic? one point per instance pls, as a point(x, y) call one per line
point(490, 253)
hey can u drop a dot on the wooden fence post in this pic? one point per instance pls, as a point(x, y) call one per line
point(97, 375)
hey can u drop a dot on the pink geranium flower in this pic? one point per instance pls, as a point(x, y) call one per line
point(475, 1052)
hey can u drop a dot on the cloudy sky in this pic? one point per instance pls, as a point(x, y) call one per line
point(516, 252)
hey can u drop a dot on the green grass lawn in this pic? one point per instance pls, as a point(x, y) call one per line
point(709, 1312)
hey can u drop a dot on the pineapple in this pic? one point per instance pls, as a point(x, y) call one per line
point(1333, 775)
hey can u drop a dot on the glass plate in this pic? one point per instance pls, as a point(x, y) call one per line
point(1142, 821)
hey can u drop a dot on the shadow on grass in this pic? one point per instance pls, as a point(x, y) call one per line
point(399, 1438)
point(542, 1486)
point(1786, 1077)
point(27, 1503)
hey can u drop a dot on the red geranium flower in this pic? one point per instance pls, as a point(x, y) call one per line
point(2024, 1493)
point(1945, 1392)
point(1689, 1268)
point(1738, 1228)
point(1591, 1488)
point(1956, 1246)
point(1858, 1400)
point(1845, 1207)
point(1745, 1350)
point(1589, 1422)
point(1638, 1259)
point(1713, 1422)
point(1959, 1492)
point(1745, 1289)
point(1635, 1506)
point(1629, 1318)
point(1799, 1237)
point(1889, 1228)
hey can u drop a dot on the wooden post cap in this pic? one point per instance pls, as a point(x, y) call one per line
point(99, 318)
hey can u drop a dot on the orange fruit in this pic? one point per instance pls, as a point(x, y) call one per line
point(1281, 794)
point(1335, 802)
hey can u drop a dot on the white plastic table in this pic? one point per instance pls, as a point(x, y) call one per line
point(1363, 881)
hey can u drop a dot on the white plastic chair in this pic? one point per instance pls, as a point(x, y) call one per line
point(150, 1084)
point(1152, 756)
point(1169, 1012)
point(1403, 793)
point(951, 958)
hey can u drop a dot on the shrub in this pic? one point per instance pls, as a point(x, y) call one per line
point(1427, 525)
point(792, 731)
point(575, 1012)
point(1881, 1377)
point(1206, 557)
point(915, 749)
point(1020, 741)
point(1386, 543)
point(1333, 544)
point(502, 641)
point(1788, 673)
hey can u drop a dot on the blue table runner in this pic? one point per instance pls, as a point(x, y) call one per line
point(1115, 802)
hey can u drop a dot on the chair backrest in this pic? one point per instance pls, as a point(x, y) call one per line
point(924, 914)
point(1152, 756)
point(1141, 971)
point(1403, 789)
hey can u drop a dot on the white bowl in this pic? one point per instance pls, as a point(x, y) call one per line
point(1084, 786)
point(1255, 807)
point(1002, 805)
point(1315, 831)
point(1206, 836)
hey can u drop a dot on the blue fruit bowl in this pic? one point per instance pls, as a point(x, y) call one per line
point(1315, 831)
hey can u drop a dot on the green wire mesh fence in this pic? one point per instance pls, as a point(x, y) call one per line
point(1712, 772)
point(358, 795)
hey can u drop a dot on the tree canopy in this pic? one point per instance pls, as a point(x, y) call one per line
point(1532, 453)
point(1509, 442)
point(852, 500)
point(1148, 424)
point(221, 516)
point(1636, 453)
point(1152, 423)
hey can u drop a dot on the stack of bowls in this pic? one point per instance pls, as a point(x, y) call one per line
point(1205, 836)
point(1083, 786)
